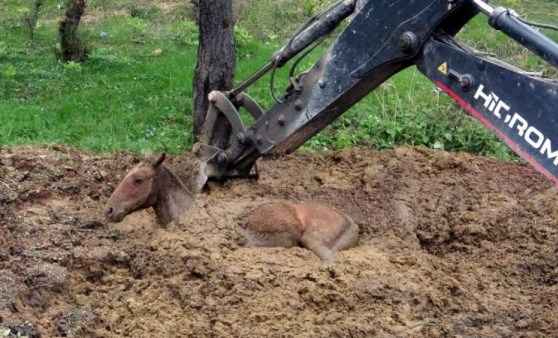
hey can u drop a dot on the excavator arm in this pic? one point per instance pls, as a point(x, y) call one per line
point(382, 38)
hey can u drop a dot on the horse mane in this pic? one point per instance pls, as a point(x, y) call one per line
point(173, 197)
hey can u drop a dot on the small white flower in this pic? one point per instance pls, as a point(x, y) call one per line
point(150, 132)
point(157, 52)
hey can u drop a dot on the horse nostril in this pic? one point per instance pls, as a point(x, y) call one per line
point(108, 211)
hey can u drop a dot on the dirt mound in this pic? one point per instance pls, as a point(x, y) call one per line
point(451, 244)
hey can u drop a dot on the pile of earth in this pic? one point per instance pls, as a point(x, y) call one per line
point(450, 245)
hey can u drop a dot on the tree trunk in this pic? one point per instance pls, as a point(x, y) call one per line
point(33, 17)
point(72, 47)
point(215, 65)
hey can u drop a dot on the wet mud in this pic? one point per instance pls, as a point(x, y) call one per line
point(450, 245)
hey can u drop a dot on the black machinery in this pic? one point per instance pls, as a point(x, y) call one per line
point(382, 38)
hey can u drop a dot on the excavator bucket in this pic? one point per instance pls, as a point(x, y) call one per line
point(222, 127)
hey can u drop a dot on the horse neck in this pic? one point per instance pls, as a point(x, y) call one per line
point(173, 198)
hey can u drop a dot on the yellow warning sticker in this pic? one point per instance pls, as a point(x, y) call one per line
point(443, 68)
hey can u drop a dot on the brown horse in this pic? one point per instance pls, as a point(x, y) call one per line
point(149, 184)
point(316, 227)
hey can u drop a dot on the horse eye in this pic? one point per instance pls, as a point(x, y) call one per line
point(138, 180)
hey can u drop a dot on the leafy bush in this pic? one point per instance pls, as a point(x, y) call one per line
point(139, 28)
point(186, 32)
point(242, 36)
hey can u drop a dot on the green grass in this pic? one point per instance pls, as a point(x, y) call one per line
point(121, 98)
point(124, 98)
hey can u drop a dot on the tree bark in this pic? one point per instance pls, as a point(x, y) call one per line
point(72, 47)
point(215, 65)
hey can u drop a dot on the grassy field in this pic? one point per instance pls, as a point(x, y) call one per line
point(125, 97)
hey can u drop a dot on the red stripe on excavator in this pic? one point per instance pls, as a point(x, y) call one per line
point(503, 136)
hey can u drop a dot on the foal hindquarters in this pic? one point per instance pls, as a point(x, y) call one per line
point(316, 227)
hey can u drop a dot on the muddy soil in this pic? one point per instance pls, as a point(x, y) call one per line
point(451, 245)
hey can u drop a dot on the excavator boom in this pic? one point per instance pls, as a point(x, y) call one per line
point(382, 38)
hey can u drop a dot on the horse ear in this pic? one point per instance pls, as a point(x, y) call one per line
point(160, 160)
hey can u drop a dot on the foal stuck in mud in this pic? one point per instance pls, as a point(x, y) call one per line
point(150, 184)
point(313, 226)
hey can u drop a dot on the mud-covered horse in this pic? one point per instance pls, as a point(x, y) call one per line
point(316, 227)
point(150, 184)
